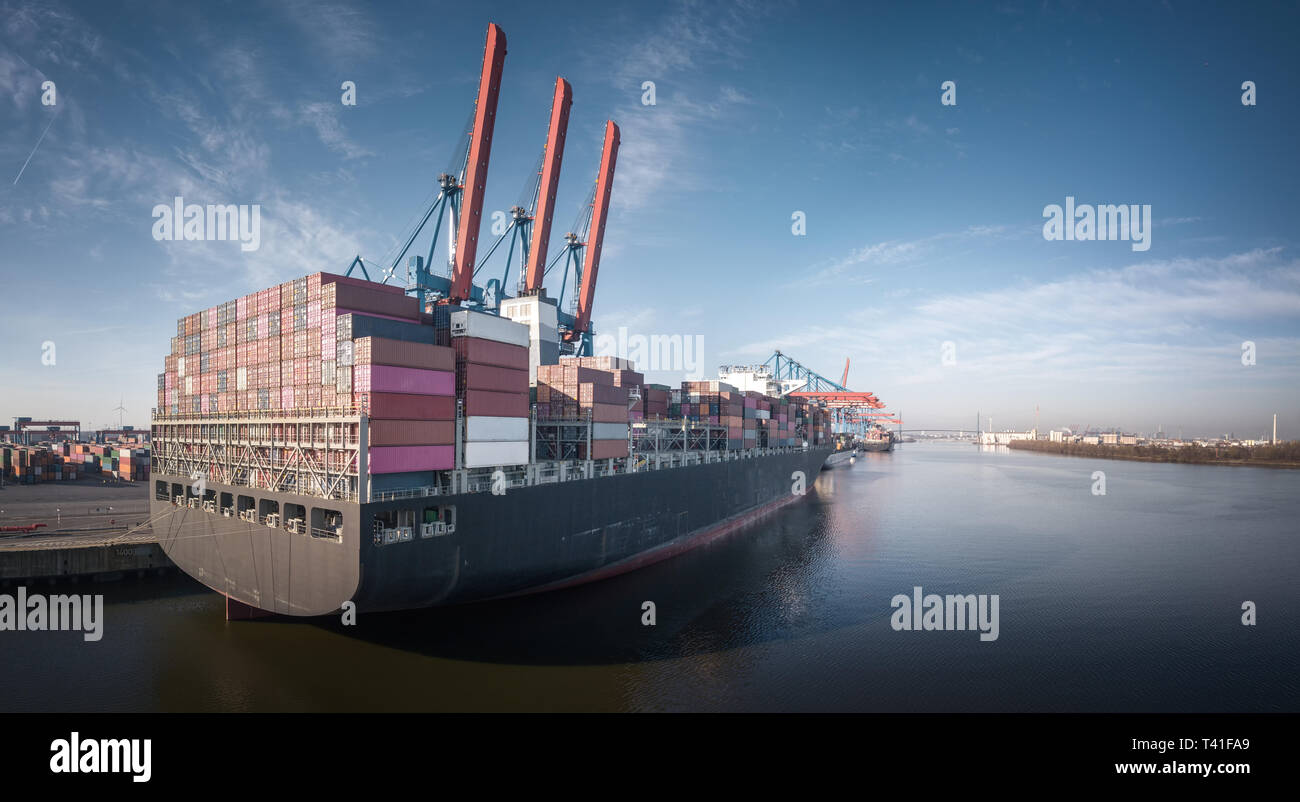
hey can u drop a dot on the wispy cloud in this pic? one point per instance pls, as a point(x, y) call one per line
point(657, 139)
point(1153, 322)
point(857, 266)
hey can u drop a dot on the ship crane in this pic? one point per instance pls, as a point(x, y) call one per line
point(460, 195)
point(852, 411)
point(581, 251)
point(459, 200)
point(524, 231)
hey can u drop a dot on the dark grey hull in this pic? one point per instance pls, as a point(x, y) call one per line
point(527, 540)
point(877, 445)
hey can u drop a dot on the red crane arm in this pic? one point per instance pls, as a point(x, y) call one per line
point(600, 212)
point(550, 183)
point(844, 382)
point(480, 149)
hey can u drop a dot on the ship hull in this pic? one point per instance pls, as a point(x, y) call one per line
point(530, 539)
point(877, 445)
point(839, 458)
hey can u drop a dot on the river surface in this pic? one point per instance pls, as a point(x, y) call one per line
point(1128, 601)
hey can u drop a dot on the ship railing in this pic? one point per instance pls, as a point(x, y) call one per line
point(327, 534)
point(256, 414)
point(407, 492)
point(557, 471)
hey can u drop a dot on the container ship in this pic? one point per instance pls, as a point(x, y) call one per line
point(334, 440)
point(407, 459)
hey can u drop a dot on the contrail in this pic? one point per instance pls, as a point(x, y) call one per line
point(38, 144)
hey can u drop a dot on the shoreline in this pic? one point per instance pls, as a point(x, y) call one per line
point(1281, 456)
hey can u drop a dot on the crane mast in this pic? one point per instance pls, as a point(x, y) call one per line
point(550, 182)
point(476, 165)
point(599, 215)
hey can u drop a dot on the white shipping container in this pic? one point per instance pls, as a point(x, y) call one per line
point(489, 454)
point(484, 428)
point(241, 378)
point(468, 323)
point(180, 366)
point(609, 431)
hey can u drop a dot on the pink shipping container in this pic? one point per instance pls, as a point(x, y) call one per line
point(400, 459)
point(389, 379)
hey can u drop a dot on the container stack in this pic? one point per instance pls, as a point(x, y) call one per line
point(323, 343)
point(492, 359)
point(409, 390)
point(71, 461)
point(278, 349)
point(571, 391)
point(654, 402)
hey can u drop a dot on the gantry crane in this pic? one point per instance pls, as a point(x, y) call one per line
point(523, 231)
point(582, 246)
point(853, 412)
point(460, 195)
point(460, 199)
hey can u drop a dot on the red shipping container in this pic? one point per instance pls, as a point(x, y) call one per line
point(608, 413)
point(489, 352)
point(323, 279)
point(412, 433)
point(605, 449)
point(590, 393)
point(504, 405)
point(486, 377)
point(404, 406)
point(382, 351)
point(364, 299)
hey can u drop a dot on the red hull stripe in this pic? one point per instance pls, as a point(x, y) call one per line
point(672, 549)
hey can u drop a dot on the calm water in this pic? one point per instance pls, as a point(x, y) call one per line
point(1127, 602)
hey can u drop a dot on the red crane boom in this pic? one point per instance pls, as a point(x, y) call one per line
point(550, 182)
point(476, 168)
point(600, 213)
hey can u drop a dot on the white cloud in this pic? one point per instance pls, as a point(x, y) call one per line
point(1169, 328)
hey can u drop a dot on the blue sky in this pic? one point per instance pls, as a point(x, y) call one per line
point(924, 221)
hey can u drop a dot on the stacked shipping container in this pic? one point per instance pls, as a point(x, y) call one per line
point(70, 461)
point(574, 390)
point(492, 381)
point(323, 343)
point(409, 391)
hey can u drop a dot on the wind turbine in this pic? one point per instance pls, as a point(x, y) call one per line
point(119, 409)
